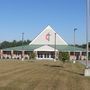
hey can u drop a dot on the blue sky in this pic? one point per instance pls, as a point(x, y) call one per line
point(32, 16)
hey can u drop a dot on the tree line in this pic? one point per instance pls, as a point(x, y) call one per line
point(83, 45)
point(14, 43)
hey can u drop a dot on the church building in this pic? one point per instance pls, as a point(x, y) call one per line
point(46, 46)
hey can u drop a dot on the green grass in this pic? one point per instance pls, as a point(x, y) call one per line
point(42, 75)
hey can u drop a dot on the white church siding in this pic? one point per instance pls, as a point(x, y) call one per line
point(42, 39)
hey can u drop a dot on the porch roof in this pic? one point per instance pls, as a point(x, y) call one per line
point(45, 48)
point(62, 48)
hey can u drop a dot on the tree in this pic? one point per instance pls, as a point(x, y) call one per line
point(14, 43)
point(5, 44)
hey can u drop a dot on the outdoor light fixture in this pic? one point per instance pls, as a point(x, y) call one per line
point(74, 45)
point(22, 46)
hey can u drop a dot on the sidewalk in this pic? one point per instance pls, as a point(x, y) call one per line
point(84, 62)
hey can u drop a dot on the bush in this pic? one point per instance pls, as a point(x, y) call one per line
point(32, 55)
point(63, 56)
point(89, 57)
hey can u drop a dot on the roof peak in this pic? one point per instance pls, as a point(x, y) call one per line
point(48, 27)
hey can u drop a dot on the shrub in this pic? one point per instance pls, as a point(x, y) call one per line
point(63, 56)
point(32, 55)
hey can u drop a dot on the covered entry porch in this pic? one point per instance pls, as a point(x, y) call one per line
point(45, 55)
point(45, 52)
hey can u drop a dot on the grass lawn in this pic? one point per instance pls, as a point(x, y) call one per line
point(42, 75)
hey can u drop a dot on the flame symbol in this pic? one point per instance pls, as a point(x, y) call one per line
point(47, 37)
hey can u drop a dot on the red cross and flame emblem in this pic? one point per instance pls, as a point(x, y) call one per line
point(47, 37)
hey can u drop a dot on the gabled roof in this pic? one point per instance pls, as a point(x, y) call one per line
point(47, 37)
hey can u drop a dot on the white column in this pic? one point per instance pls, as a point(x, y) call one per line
point(22, 55)
point(1, 54)
point(49, 55)
point(11, 54)
point(43, 56)
point(81, 55)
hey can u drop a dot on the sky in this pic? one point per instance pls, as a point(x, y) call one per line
point(32, 16)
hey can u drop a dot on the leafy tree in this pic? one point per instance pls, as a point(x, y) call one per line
point(4, 44)
point(14, 43)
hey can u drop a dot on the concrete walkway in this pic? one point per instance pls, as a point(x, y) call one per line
point(84, 62)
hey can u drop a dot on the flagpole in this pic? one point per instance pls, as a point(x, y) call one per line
point(87, 69)
point(55, 49)
point(87, 28)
